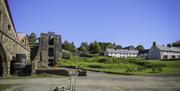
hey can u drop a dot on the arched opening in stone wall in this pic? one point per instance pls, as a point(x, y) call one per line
point(50, 62)
point(51, 40)
point(2, 60)
point(1, 66)
point(12, 69)
point(51, 52)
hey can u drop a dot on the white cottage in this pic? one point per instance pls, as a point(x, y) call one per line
point(120, 53)
point(163, 52)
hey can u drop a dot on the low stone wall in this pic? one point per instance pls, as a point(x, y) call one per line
point(53, 71)
point(63, 72)
point(82, 73)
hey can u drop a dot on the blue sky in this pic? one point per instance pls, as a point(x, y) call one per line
point(125, 22)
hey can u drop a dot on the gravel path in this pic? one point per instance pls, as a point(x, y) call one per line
point(99, 82)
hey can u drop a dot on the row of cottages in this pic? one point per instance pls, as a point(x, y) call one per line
point(163, 52)
point(120, 53)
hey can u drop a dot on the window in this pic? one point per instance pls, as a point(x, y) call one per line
point(51, 62)
point(50, 52)
point(165, 57)
point(51, 40)
point(9, 27)
point(173, 56)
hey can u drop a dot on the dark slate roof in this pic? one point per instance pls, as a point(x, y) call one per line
point(121, 51)
point(165, 48)
point(129, 47)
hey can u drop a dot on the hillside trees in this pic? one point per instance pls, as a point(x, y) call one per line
point(84, 47)
point(176, 44)
point(140, 47)
point(94, 48)
point(32, 39)
point(69, 46)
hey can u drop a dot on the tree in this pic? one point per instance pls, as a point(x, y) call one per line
point(69, 46)
point(105, 45)
point(140, 48)
point(94, 48)
point(168, 45)
point(84, 47)
point(118, 47)
point(32, 39)
point(66, 55)
point(176, 44)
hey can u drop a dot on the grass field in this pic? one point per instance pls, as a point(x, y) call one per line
point(136, 66)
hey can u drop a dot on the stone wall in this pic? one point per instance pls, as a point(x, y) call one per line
point(154, 53)
point(8, 40)
point(49, 51)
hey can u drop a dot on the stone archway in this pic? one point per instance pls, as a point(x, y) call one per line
point(1, 66)
point(3, 61)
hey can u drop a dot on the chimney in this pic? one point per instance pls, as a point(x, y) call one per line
point(154, 43)
point(169, 45)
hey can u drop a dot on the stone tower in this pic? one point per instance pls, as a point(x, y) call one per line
point(49, 51)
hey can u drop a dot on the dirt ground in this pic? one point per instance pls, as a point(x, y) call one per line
point(99, 82)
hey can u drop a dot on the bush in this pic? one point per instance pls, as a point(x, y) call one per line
point(131, 70)
point(95, 66)
point(66, 55)
point(156, 69)
point(88, 55)
point(103, 60)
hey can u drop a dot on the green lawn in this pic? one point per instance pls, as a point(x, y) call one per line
point(123, 65)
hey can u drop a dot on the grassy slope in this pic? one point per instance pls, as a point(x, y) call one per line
point(120, 65)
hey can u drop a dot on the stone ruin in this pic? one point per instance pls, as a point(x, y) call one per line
point(14, 47)
point(16, 57)
point(47, 51)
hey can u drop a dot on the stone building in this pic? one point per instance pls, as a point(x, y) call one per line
point(120, 53)
point(144, 53)
point(48, 50)
point(14, 47)
point(163, 52)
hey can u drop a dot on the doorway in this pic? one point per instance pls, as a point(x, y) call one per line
point(1, 66)
point(2, 60)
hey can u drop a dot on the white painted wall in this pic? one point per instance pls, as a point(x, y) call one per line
point(120, 55)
